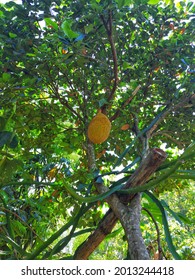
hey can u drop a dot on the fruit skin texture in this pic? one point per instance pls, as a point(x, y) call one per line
point(99, 128)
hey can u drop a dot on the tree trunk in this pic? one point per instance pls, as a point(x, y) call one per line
point(131, 224)
point(129, 215)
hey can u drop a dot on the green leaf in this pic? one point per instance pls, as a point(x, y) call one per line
point(5, 137)
point(63, 242)
point(114, 233)
point(126, 65)
point(166, 226)
point(66, 27)
point(14, 245)
point(153, 2)
point(8, 167)
point(189, 151)
point(52, 238)
point(96, 7)
point(18, 228)
point(89, 28)
point(50, 23)
point(2, 14)
point(2, 123)
point(121, 3)
point(12, 35)
point(102, 102)
point(168, 2)
point(6, 77)
point(184, 219)
point(173, 213)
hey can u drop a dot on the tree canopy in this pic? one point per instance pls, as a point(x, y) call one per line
point(61, 63)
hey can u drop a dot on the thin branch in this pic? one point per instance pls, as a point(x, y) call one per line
point(67, 105)
point(64, 102)
point(18, 217)
point(164, 133)
point(169, 108)
point(118, 111)
point(108, 27)
point(160, 257)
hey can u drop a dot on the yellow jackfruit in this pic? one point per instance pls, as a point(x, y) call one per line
point(99, 128)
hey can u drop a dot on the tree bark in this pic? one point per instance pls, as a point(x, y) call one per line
point(92, 242)
point(129, 215)
point(131, 224)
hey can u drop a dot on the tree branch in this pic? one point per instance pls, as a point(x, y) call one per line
point(61, 99)
point(117, 113)
point(167, 135)
point(104, 228)
point(170, 107)
point(108, 27)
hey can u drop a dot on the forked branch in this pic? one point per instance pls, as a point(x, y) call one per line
point(123, 212)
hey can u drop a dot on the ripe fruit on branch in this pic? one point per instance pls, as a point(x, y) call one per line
point(99, 129)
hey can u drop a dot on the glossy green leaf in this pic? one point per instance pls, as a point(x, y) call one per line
point(66, 27)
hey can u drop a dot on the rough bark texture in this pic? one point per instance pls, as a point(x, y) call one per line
point(129, 215)
point(131, 224)
point(105, 227)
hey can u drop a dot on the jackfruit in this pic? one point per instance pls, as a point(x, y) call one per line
point(99, 129)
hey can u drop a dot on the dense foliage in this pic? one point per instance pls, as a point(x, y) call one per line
point(61, 61)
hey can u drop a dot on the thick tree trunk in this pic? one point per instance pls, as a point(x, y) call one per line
point(129, 215)
point(131, 224)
